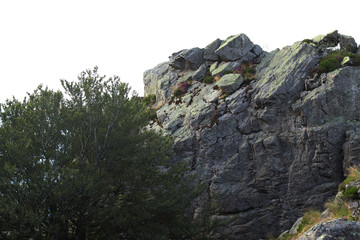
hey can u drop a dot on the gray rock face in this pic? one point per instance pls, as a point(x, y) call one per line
point(209, 53)
point(271, 148)
point(333, 230)
point(290, 68)
point(189, 59)
point(234, 48)
point(352, 149)
point(158, 81)
point(348, 43)
point(199, 74)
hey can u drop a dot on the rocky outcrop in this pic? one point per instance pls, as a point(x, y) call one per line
point(334, 229)
point(270, 147)
point(330, 40)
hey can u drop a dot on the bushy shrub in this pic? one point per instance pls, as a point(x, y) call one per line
point(333, 60)
point(208, 80)
point(351, 192)
point(183, 86)
point(180, 89)
point(178, 93)
point(247, 71)
point(149, 100)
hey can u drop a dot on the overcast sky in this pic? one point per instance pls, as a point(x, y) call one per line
point(43, 41)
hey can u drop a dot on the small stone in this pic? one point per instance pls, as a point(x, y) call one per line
point(325, 214)
point(212, 97)
point(346, 61)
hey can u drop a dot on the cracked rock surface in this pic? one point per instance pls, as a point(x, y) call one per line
point(269, 149)
point(335, 229)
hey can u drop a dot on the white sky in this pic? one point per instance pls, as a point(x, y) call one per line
point(43, 41)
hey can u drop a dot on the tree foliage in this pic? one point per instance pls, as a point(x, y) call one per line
point(80, 165)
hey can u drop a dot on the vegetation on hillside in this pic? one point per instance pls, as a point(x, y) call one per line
point(79, 165)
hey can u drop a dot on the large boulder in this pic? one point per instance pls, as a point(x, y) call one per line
point(348, 43)
point(209, 53)
point(333, 230)
point(229, 83)
point(189, 59)
point(234, 48)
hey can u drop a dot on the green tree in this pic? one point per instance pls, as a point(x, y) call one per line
point(80, 165)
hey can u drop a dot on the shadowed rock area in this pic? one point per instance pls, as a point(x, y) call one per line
point(269, 141)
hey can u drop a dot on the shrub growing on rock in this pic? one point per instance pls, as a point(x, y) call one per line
point(247, 70)
point(149, 100)
point(333, 60)
point(180, 89)
point(351, 192)
point(208, 80)
point(183, 86)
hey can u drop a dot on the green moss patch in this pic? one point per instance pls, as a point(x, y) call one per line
point(208, 80)
point(351, 192)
